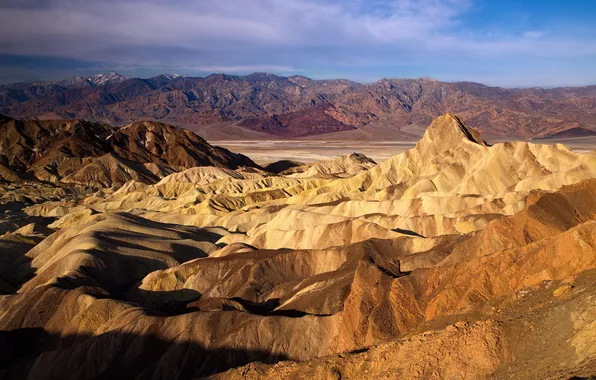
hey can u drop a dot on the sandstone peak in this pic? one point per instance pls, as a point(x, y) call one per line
point(61, 149)
point(341, 166)
point(448, 126)
point(447, 132)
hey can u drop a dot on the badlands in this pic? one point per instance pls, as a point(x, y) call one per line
point(146, 253)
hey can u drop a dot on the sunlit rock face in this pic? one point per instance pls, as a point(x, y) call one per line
point(454, 259)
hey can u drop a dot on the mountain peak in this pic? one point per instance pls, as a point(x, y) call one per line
point(111, 77)
point(93, 80)
point(449, 126)
point(387, 105)
point(261, 76)
point(446, 132)
point(168, 76)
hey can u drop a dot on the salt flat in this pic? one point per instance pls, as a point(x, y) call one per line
point(307, 151)
point(311, 151)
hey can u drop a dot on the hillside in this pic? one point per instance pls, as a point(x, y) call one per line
point(433, 264)
point(92, 154)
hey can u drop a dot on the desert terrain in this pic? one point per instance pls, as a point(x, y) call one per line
point(308, 151)
point(297, 190)
point(148, 252)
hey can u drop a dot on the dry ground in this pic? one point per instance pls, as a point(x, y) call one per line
point(307, 151)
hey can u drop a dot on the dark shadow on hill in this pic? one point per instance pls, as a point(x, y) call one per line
point(126, 271)
point(15, 266)
point(268, 308)
point(36, 353)
point(164, 303)
point(182, 301)
point(280, 166)
point(407, 232)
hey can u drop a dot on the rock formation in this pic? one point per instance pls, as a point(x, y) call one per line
point(455, 259)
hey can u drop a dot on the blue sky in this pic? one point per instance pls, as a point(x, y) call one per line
point(499, 42)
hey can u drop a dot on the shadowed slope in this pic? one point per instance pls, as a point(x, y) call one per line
point(325, 301)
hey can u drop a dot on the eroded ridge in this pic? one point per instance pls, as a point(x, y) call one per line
point(432, 264)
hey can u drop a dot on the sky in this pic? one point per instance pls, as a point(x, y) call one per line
point(508, 43)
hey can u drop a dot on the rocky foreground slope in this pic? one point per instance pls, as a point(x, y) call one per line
point(455, 259)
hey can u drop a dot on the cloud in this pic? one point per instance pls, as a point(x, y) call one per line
point(75, 27)
point(235, 36)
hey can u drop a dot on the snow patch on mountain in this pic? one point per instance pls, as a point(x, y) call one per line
point(92, 81)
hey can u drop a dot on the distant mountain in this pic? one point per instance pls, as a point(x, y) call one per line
point(87, 153)
point(299, 106)
point(93, 81)
point(310, 121)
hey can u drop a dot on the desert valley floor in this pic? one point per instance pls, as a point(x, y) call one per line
point(264, 152)
point(308, 151)
point(145, 252)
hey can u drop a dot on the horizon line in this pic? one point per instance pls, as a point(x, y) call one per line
point(296, 75)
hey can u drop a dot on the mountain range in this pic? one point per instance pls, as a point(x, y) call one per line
point(269, 106)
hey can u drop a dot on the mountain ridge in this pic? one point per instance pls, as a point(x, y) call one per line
point(87, 153)
point(326, 106)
